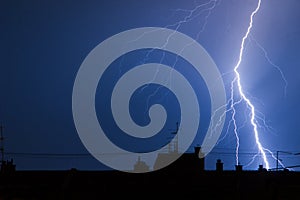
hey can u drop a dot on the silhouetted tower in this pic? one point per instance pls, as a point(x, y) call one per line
point(140, 166)
point(6, 166)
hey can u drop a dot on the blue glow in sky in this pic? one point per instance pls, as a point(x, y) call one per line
point(43, 44)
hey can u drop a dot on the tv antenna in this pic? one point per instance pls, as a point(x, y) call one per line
point(1, 144)
point(175, 142)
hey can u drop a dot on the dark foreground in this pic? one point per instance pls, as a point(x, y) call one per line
point(74, 184)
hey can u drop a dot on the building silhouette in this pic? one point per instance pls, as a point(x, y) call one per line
point(186, 177)
point(140, 166)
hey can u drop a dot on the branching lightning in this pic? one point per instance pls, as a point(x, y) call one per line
point(272, 64)
point(237, 81)
point(206, 9)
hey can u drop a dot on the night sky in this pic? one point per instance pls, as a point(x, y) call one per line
point(43, 44)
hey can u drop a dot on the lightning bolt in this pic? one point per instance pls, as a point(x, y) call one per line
point(236, 82)
point(254, 115)
point(243, 98)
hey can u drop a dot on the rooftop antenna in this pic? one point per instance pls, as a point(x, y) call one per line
point(175, 150)
point(2, 144)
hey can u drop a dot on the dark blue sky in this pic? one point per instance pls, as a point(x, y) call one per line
point(43, 44)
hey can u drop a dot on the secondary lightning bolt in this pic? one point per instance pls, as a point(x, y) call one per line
point(272, 64)
point(236, 82)
point(243, 97)
point(192, 14)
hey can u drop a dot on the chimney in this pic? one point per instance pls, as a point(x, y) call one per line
point(219, 165)
point(200, 156)
point(239, 168)
point(197, 150)
point(260, 168)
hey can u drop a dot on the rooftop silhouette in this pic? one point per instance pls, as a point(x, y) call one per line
point(185, 176)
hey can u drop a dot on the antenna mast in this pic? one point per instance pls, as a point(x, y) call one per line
point(175, 142)
point(2, 144)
